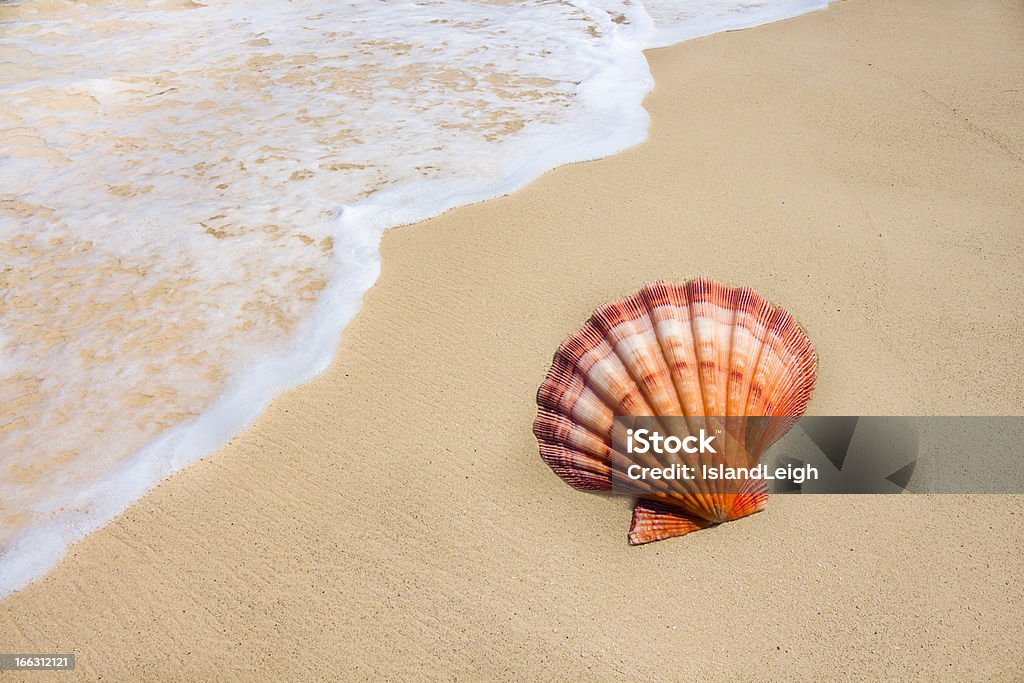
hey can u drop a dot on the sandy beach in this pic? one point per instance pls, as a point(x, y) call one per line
point(861, 166)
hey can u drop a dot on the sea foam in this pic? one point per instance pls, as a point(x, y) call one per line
point(192, 196)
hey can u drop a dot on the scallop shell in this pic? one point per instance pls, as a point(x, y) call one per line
point(700, 354)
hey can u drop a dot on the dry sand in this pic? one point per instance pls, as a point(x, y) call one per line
point(863, 167)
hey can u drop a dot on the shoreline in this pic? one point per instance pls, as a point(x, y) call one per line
point(353, 243)
point(771, 153)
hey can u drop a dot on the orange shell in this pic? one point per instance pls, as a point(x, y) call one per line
point(695, 350)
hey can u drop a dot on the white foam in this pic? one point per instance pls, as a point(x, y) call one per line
point(670, 21)
point(192, 197)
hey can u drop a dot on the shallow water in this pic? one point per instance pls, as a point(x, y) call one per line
point(192, 194)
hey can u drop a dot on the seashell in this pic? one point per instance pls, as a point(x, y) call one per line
point(700, 354)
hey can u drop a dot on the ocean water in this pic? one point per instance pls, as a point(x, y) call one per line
point(192, 196)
